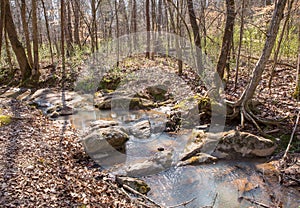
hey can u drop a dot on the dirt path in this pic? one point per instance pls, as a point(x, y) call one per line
point(41, 165)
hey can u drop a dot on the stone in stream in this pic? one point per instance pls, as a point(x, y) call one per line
point(105, 141)
point(228, 144)
point(198, 159)
point(123, 102)
point(159, 162)
point(134, 183)
point(141, 129)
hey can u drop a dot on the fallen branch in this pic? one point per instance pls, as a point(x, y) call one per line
point(292, 136)
point(141, 195)
point(183, 204)
point(255, 202)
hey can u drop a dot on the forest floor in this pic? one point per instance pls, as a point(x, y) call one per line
point(42, 163)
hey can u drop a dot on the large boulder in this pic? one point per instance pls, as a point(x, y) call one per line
point(105, 140)
point(228, 144)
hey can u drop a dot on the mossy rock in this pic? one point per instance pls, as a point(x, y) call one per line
point(5, 120)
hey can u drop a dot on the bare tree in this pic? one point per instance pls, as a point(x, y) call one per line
point(48, 32)
point(35, 41)
point(148, 28)
point(76, 23)
point(15, 43)
point(2, 20)
point(197, 38)
point(227, 38)
point(249, 92)
point(240, 45)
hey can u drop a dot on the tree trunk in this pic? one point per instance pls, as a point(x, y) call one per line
point(48, 31)
point(227, 38)
point(26, 32)
point(148, 28)
point(277, 50)
point(68, 29)
point(269, 44)
point(117, 32)
point(297, 89)
point(62, 36)
point(134, 23)
point(35, 41)
point(197, 38)
point(240, 45)
point(76, 23)
point(8, 54)
point(2, 20)
point(16, 44)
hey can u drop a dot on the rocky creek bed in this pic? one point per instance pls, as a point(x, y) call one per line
point(192, 166)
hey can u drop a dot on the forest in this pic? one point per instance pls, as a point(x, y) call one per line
point(150, 103)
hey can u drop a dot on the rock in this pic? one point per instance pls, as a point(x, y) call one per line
point(198, 141)
point(227, 145)
point(246, 144)
point(158, 92)
point(198, 159)
point(103, 124)
point(124, 103)
point(105, 140)
point(141, 129)
point(134, 183)
point(159, 162)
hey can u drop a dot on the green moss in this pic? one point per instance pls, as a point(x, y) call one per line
point(5, 120)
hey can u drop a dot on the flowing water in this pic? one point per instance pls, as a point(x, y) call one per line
point(221, 184)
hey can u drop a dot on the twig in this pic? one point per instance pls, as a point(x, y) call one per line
point(141, 195)
point(255, 202)
point(215, 199)
point(292, 136)
point(183, 204)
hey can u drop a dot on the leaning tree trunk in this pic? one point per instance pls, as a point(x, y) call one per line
point(297, 90)
point(227, 38)
point(269, 44)
point(16, 44)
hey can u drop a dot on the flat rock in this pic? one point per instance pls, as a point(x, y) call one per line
point(159, 162)
point(227, 145)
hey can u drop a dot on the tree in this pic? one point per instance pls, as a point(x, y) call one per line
point(26, 32)
point(148, 28)
point(48, 31)
point(2, 19)
point(249, 92)
point(197, 38)
point(15, 43)
point(35, 41)
point(227, 38)
point(76, 23)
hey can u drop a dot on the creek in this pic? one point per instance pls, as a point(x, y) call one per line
point(226, 183)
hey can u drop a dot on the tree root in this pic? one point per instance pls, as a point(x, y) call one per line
point(246, 113)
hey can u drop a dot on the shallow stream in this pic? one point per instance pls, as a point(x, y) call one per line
point(225, 184)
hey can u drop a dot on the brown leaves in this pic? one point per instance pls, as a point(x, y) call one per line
point(42, 165)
